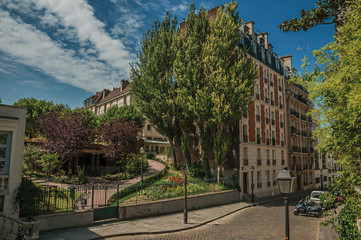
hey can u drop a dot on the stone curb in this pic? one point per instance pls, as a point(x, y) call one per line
point(185, 228)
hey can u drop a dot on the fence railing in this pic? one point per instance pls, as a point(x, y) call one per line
point(9, 227)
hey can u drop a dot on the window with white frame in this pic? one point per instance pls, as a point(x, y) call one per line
point(259, 179)
point(5, 148)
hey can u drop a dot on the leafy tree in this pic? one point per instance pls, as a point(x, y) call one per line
point(152, 78)
point(335, 87)
point(128, 113)
point(67, 132)
point(32, 157)
point(324, 12)
point(34, 109)
point(192, 101)
point(49, 163)
point(120, 138)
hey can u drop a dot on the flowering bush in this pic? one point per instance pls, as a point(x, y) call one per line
point(172, 186)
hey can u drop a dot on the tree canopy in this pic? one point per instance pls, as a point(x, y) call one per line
point(335, 87)
point(128, 113)
point(324, 12)
point(34, 109)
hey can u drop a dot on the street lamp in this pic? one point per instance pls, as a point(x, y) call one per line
point(321, 179)
point(141, 166)
point(185, 215)
point(285, 184)
point(252, 184)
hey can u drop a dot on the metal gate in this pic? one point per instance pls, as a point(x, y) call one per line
point(105, 213)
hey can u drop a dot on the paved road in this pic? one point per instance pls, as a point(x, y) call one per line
point(261, 222)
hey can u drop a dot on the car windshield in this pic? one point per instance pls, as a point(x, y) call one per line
point(316, 194)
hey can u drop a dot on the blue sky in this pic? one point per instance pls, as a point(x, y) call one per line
point(66, 50)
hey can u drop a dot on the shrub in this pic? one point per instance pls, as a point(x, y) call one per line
point(49, 163)
point(196, 170)
point(134, 162)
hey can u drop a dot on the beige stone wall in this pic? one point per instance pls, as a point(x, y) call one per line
point(12, 119)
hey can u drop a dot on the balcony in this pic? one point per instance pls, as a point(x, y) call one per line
point(257, 96)
point(273, 142)
point(282, 143)
point(267, 120)
point(295, 149)
point(4, 185)
point(267, 141)
point(304, 150)
point(245, 138)
point(245, 162)
point(274, 162)
point(281, 124)
point(259, 185)
point(304, 133)
point(295, 131)
point(273, 122)
point(268, 162)
point(258, 140)
point(272, 102)
point(281, 106)
point(299, 168)
point(259, 162)
point(266, 99)
point(280, 88)
point(258, 117)
point(304, 167)
point(300, 98)
point(265, 80)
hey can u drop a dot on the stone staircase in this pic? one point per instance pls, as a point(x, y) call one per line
point(9, 227)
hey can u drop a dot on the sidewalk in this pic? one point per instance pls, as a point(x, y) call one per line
point(159, 224)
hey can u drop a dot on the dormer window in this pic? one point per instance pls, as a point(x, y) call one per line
point(246, 30)
point(261, 42)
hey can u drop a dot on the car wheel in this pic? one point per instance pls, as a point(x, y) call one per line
point(296, 212)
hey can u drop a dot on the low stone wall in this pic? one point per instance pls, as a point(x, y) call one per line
point(177, 205)
point(65, 220)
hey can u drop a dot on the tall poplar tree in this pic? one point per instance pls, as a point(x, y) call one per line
point(191, 99)
point(230, 79)
point(152, 78)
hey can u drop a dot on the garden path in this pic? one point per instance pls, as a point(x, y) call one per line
point(104, 188)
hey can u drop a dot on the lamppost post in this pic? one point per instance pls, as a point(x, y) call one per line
point(141, 166)
point(185, 211)
point(321, 179)
point(285, 184)
point(252, 184)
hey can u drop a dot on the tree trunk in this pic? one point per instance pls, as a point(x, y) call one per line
point(172, 150)
point(219, 173)
point(204, 140)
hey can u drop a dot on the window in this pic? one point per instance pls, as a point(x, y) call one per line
point(267, 118)
point(273, 157)
point(281, 121)
point(246, 30)
point(282, 142)
point(273, 138)
point(259, 160)
point(257, 92)
point(2, 198)
point(267, 137)
point(149, 127)
point(266, 95)
point(259, 179)
point(5, 148)
point(280, 102)
point(245, 136)
point(258, 116)
point(282, 158)
point(268, 158)
point(272, 99)
point(245, 156)
point(273, 118)
point(125, 100)
point(268, 178)
point(271, 79)
point(261, 42)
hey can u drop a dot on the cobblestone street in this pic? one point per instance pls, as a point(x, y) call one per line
point(260, 222)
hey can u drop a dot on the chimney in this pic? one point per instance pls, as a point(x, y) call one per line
point(123, 84)
point(287, 60)
point(250, 26)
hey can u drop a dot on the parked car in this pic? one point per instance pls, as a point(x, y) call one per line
point(315, 196)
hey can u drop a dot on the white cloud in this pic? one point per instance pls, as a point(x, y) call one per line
point(180, 8)
point(32, 47)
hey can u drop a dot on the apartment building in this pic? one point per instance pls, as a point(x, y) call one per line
point(12, 132)
point(154, 142)
point(263, 150)
point(299, 126)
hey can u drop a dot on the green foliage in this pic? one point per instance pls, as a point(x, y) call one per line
point(49, 163)
point(32, 157)
point(128, 113)
point(335, 87)
point(134, 162)
point(324, 12)
point(152, 78)
point(34, 109)
point(196, 170)
point(26, 196)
